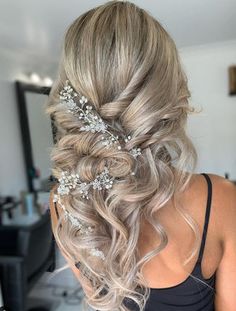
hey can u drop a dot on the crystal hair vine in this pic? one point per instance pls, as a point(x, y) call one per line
point(83, 228)
point(71, 180)
point(93, 122)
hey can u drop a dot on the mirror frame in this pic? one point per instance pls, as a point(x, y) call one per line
point(21, 89)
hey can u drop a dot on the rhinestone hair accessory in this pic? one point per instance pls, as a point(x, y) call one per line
point(69, 182)
point(83, 228)
point(92, 121)
point(77, 105)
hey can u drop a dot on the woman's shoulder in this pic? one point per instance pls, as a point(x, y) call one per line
point(223, 202)
point(223, 192)
point(222, 188)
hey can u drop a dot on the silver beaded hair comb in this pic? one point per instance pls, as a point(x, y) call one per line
point(70, 180)
point(92, 121)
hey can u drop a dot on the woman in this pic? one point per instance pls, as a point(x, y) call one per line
point(139, 228)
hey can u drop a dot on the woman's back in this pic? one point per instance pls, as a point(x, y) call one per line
point(170, 284)
point(167, 264)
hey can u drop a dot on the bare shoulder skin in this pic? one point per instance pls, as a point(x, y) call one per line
point(225, 201)
point(166, 269)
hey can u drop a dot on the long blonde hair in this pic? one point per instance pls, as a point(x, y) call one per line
point(122, 59)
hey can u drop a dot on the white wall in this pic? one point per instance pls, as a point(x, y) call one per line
point(213, 131)
point(12, 171)
point(13, 65)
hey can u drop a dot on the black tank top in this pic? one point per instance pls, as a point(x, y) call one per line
point(192, 294)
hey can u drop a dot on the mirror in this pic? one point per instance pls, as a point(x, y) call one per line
point(37, 142)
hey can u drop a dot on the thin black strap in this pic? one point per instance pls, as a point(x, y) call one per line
point(207, 215)
point(55, 205)
point(78, 264)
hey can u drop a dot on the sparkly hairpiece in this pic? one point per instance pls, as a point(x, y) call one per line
point(70, 180)
point(93, 122)
point(83, 228)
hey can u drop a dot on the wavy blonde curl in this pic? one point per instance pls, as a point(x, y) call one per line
point(122, 59)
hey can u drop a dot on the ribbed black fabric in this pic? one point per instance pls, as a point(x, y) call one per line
point(192, 294)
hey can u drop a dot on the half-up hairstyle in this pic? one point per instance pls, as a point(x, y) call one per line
point(125, 63)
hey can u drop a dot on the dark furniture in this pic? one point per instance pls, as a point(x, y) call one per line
point(26, 252)
point(7, 205)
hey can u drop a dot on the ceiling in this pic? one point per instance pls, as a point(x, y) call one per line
point(36, 27)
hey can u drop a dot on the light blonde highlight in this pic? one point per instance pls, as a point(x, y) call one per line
point(122, 59)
